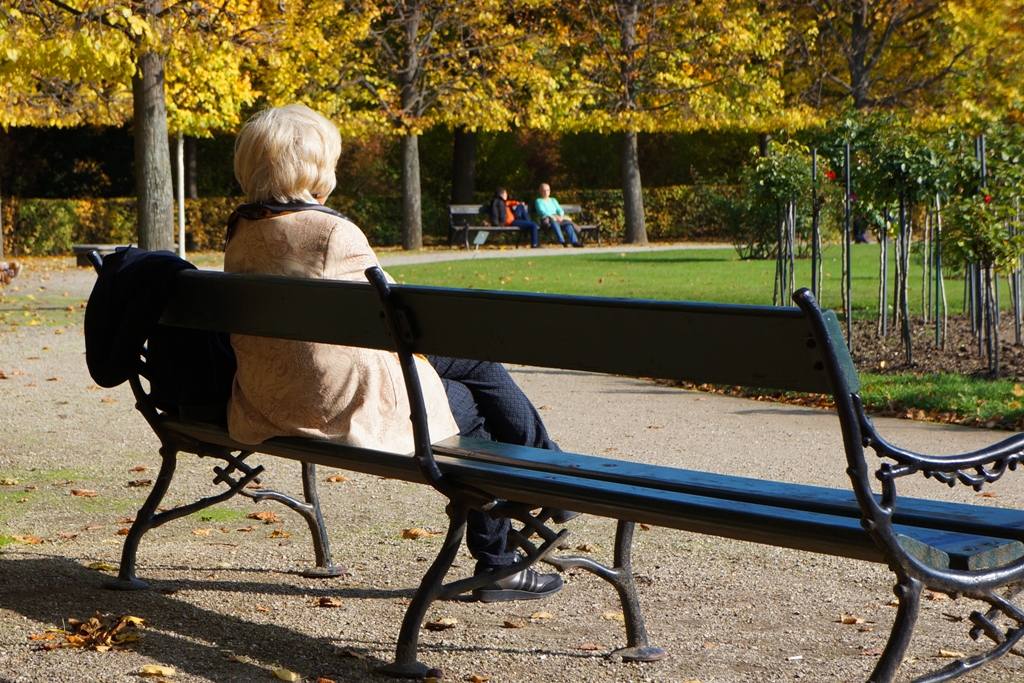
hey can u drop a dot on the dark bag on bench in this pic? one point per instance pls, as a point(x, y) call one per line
point(190, 371)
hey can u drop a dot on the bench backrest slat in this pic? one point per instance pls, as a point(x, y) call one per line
point(465, 209)
point(757, 346)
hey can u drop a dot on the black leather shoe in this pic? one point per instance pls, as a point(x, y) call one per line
point(524, 585)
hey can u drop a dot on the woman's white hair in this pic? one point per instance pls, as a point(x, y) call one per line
point(287, 154)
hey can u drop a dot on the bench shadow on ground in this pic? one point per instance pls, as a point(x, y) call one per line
point(49, 589)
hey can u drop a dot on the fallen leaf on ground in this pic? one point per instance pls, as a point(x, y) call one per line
point(7, 481)
point(246, 529)
point(138, 483)
point(92, 527)
point(102, 566)
point(126, 520)
point(67, 535)
point(139, 468)
point(84, 493)
point(324, 680)
point(586, 548)
point(613, 616)
point(154, 670)
point(286, 675)
point(265, 517)
point(544, 408)
point(107, 399)
point(477, 678)
point(415, 534)
point(938, 597)
point(261, 608)
point(336, 479)
point(28, 540)
point(352, 654)
point(591, 647)
point(53, 379)
point(31, 487)
point(278, 533)
point(329, 602)
point(951, 654)
point(202, 532)
point(872, 652)
point(645, 527)
point(655, 426)
point(988, 494)
point(44, 636)
point(542, 615)
point(513, 624)
point(851, 620)
point(442, 624)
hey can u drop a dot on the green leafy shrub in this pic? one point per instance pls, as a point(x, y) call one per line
point(45, 227)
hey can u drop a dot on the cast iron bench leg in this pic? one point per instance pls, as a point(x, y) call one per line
point(310, 511)
point(406, 665)
point(126, 579)
point(908, 592)
point(432, 587)
point(621, 577)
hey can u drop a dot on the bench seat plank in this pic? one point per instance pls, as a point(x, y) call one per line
point(956, 517)
point(719, 505)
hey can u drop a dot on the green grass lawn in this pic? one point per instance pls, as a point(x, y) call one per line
point(683, 275)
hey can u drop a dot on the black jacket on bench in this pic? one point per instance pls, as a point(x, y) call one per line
point(190, 371)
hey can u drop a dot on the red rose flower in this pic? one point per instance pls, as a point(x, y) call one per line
point(831, 175)
point(988, 199)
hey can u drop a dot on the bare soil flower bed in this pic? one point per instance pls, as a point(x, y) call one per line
point(960, 355)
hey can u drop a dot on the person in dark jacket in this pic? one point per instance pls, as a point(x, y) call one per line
point(505, 211)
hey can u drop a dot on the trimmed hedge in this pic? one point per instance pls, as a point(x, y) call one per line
point(39, 227)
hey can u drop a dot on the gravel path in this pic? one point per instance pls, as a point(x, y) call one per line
point(228, 604)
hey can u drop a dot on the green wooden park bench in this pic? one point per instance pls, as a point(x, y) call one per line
point(965, 551)
point(465, 220)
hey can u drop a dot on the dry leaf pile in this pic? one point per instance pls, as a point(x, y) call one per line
point(102, 632)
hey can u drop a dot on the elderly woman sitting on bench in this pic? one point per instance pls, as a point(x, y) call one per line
point(285, 160)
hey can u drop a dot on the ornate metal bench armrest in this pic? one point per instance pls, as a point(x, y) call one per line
point(974, 469)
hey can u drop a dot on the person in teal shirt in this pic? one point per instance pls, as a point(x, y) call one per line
point(552, 216)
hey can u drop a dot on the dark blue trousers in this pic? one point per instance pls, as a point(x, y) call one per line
point(488, 404)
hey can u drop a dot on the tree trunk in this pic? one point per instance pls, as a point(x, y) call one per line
point(763, 140)
point(412, 215)
point(1, 230)
point(632, 192)
point(152, 161)
point(464, 166)
point(191, 179)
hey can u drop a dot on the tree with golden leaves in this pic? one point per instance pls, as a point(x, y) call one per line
point(400, 67)
point(99, 49)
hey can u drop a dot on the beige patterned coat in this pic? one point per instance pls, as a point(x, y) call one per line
point(339, 393)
